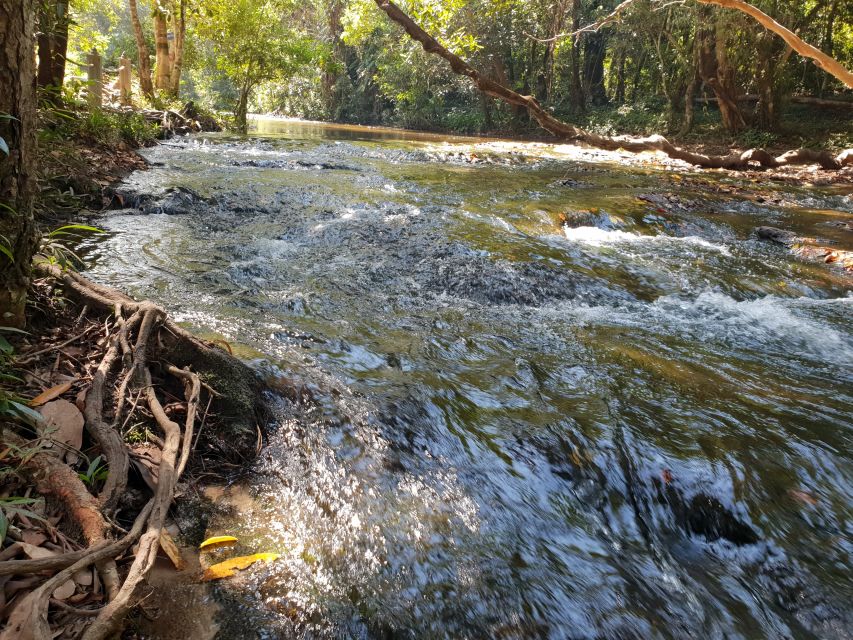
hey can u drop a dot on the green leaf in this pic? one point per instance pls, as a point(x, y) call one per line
point(68, 228)
point(6, 252)
point(5, 347)
point(27, 414)
point(4, 147)
point(4, 526)
point(19, 500)
point(93, 466)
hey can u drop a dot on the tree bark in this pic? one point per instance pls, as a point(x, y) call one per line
point(715, 71)
point(162, 64)
point(52, 48)
point(17, 170)
point(825, 62)
point(593, 68)
point(566, 131)
point(144, 63)
point(179, 28)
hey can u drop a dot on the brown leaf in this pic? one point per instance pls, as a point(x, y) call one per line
point(168, 545)
point(64, 425)
point(83, 577)
point(33, 537)
point(34, 553)
point(50, 394)
point(65, 590)
point(230, 567)
point(80, 400)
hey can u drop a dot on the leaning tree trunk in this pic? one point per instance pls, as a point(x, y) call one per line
point(162, 64)
point(144, 62)
point(17, 168)
point(566, 131)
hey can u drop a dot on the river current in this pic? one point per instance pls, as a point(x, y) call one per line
point(547, 395)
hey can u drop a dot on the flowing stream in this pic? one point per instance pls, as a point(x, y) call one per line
point(634, 425)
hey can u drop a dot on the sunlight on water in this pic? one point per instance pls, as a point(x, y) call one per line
point(635, 424)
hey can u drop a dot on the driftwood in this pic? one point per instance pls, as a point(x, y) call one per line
point(569, 132)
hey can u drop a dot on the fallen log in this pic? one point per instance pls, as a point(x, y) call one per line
point(572, 133)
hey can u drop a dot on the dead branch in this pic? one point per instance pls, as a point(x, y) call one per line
point(569, 132)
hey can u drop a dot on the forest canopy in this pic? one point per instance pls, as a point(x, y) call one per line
point(343, 60)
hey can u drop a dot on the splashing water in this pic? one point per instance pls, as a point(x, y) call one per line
point(517, 429)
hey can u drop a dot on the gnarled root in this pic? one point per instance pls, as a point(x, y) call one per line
point(140, 338)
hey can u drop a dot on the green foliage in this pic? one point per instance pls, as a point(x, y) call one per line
point(755, 138)
point(12, 406)
point(54, 250)
point(14, 506)
point(110, 128)
point(97, 471)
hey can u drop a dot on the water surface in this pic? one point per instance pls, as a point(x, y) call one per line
point(634, 426)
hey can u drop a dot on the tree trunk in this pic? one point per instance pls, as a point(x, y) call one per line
point(715, 71)
point(179, 28)
point(593, 67)
point(692, 88)
point(241, 112)
point(162, 65)
point(144, 63)
point(578, 100)
point(331, 71)
point(52, 48)
point(17, 171)
point(619, 91)
point(486, 105)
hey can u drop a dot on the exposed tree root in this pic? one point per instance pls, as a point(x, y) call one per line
point(140, 340)
point(568, 132)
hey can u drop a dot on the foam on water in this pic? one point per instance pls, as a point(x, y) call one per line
point(595, 237)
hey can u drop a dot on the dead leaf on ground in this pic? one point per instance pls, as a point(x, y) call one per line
point(33, 537)
point(168, 545)
point(217, 541)
point(65, 590)
point(146, 460)
point(64, 425)
point(83, 577)
point(228, 568)
point(35, 553)
point(50, 394)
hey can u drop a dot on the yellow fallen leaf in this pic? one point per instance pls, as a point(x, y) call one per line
point(168, 545)
point(50, 394)
point(217, 541)
point(230, 567)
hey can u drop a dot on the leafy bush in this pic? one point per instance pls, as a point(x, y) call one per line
point(113, 127)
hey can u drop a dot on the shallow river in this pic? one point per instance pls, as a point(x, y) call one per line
point(634, 425)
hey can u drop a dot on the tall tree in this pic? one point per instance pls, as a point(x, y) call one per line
point(144, 62)
point(176, 51)
point(17, 157)
point(162, 61)
point(53, 23)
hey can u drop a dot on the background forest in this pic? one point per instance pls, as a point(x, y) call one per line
point(343, 60)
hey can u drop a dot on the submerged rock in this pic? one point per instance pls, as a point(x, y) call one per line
point(807, 249)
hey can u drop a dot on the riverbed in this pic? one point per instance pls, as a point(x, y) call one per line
point(546, 394)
